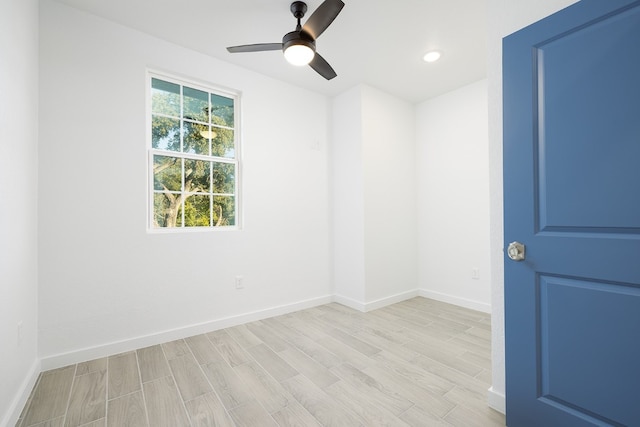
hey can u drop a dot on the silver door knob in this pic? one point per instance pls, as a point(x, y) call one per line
point(516, 251)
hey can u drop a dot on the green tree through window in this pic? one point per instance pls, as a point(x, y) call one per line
point(194, 166)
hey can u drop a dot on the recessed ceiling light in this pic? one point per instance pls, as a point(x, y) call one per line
point(432, 56)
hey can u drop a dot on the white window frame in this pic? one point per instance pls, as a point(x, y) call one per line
point(236, 160)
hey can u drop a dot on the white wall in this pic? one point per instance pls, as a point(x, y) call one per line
point(374, 193)
point(19, 363)
point(453, 201)
point(105, 283)
point(505, 17)
point(390, 220)
point(347, 192)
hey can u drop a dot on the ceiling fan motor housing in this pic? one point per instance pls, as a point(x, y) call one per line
point(297, 38)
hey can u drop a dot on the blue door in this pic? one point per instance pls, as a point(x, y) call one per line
point(572, 198)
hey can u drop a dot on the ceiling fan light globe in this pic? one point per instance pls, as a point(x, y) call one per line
point(299, 54)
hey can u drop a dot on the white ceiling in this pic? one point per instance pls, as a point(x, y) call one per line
point(375, 42)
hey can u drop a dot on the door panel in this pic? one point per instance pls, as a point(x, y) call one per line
point(572, 196)
point(575, 314)
point(604, 168)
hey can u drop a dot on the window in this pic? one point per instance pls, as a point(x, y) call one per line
point(193, 156)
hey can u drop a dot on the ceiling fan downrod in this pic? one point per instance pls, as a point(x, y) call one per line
point(298, 8)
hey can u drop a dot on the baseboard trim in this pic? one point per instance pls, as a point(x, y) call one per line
point(349, 302)
point(497, 401)
point(393, 299)
point(90, 353)
point(19, 402)
point(374, 305)
point(462, 302)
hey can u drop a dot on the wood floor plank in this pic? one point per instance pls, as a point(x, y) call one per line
point(424, 379)
point(449, 326)
point(102, 422)
point(470, 398)
point(417, 416)
point(316, 351)
point(483, 324)
point(485, 377)
point(342, 321)
point(481, 333)
point(323, 407)
point(412, 328)
point(243, 336)
point(229, 387)
point(189, 377)
point(91, 366)
point(123, 377)
point(426, 336)
point(58, 422)
point(163, 403)
point(347, 354)
point(374, 320)
point(175, 348)
point(470, 343)
point(251, 414)
point(376, 391)
point(127, 411)
point(272, 363)
point(353, 342)
point(203, 349)
point(153, 363)
point(88, 401)
point(468, 317)
point(305, 324)
point(384, 333)
point(434, 402)
point(269, 393)
point(279, 328)
point(420, 318)
point(368, 409)
point(438, 322)
point(464, 417)
point(476, 359)
point(50, 396)
point(267, 336)
point(380, 340)
point(444, 356)
point(386, 316)
point(311, 348)
point(294, 415)
point(208, 411)
point(229, 349)
point(447, 372)
point(311, 369)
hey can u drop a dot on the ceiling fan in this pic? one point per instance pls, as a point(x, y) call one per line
point(299, 46)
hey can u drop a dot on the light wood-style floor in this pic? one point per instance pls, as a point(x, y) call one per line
point(416, 363)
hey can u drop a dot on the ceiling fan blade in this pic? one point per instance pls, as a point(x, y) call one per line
point(322, 17)
point(259, 47)
point(322, 67)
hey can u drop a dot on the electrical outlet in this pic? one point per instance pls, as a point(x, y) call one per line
point(20, 332)
point(239, 282)
point(475, 274)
